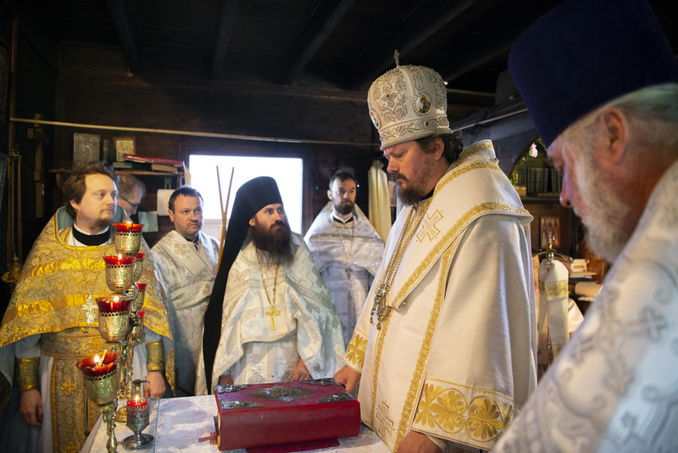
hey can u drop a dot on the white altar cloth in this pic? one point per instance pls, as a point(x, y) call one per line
point(177, 423)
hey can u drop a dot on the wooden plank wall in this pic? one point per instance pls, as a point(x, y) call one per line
point(97, 91)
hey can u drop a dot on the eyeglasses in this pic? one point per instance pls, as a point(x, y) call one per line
point(133, 205)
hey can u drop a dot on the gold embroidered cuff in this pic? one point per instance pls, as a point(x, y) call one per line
point(156, 356)
point(27, 373)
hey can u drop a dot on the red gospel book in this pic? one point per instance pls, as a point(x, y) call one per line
point(262, 415)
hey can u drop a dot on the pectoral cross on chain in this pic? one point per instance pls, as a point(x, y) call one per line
point(89, 307)
point(272, 313)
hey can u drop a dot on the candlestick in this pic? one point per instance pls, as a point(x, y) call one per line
point(138, 266)
point(139, 296)
point(128, 238)
point(119, 273)
point(101, 377)
point(114, 317)
point(138, 414)
point(137, 332)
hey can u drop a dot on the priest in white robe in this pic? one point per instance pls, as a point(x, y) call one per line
point(445, 349)
point(276, 320)
point(346, 249)
point(187, 259)
point(605, 104)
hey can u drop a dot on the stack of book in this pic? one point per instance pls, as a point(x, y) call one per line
point(159, 164)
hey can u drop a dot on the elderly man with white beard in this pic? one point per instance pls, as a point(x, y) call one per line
point(605, 101)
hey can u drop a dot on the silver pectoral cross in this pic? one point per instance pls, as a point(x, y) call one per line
point(379, 300)
point(89, 307)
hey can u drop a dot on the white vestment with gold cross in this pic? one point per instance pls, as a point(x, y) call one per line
point(262, 343)
point(456, 357)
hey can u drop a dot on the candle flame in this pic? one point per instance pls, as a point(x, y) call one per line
point(119, 256)
point(115, 299)
point(129, 222)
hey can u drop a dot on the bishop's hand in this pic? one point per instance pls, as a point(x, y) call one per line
point(347, 377)
point(415, 442)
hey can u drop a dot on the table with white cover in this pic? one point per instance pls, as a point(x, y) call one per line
point(177, 424)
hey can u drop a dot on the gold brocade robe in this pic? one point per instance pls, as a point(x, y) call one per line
point(50, 299)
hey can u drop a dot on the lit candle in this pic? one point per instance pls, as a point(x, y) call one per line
point(114, 304)
point(137, 403)
point(95, 365)
point(119, 260)
point(128, 227)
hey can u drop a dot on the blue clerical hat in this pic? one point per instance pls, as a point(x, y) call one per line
point(584, 53)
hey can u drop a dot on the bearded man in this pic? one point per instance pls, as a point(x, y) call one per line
point(347, 250)
point(605, 103)
point(279, 323)
point(444, 350)
point(51, 321)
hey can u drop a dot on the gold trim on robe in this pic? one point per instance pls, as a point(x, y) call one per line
point(404, 360)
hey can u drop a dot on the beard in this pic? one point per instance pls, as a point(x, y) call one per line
point(103, 222)
point(276, 240)
point(605, 213)
point(344, 207)
point(413, 192)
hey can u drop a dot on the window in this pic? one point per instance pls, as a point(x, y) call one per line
point(288, 173)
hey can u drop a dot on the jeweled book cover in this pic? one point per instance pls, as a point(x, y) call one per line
point(262, 415)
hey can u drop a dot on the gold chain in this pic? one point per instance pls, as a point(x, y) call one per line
point(272, 312)
point(380, 306)
point(348, 254)
point(89, 305)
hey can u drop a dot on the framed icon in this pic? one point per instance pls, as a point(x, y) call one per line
point(124, 145)
point(550, 228)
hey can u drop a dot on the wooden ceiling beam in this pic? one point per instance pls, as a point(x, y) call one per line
point(226, 21)
point(127, 26)
point(429, 18)
point(495, 40)
point(35, 31)
point(325, 18)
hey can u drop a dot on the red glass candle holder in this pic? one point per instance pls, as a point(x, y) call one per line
point(138, 415)
point(96, 366)
point(139, 296)
point(138, 327)
point(119, 273)
point(128, 238)
point(114, 321)
point(128, 227)
point(138, 266)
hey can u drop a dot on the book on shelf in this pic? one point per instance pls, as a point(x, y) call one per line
point(165, 168)
point(153, 160)
point(129, 165)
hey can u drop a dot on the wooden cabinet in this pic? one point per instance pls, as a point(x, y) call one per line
point(550, 216)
